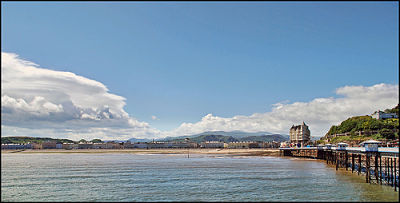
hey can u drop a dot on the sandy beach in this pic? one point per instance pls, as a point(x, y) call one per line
point(233, 152)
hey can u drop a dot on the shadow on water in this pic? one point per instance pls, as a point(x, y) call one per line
point(368, 191)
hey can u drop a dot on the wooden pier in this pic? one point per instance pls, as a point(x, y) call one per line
point(381, 167)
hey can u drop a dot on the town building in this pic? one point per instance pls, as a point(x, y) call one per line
point(16, 146)
point(99, 146)
point(67, 145)
point(128, 145)
point(140, 145)
point(37, 145)
point(300, 135)
point(86, 145)
point(243, 145)
point(382, 115)
point(49, 145)
point(59, 146)
point(114, 145)
point(272, 144)
point(213, 144)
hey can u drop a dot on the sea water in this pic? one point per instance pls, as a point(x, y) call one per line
point(174, 177)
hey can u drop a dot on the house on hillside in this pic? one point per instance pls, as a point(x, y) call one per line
point(382, 115)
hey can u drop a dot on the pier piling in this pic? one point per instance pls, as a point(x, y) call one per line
point(395, 176)
point(380, 169)
point(376, 168)
point(368, 163)
point(391, 171)
point(337, 161)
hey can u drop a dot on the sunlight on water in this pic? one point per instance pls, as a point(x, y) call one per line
point(133, 177)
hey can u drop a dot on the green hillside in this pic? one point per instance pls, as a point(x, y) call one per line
point(24, 140)
point(377, 129)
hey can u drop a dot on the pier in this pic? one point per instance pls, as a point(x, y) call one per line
point(379, 165)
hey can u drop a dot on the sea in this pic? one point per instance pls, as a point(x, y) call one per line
point(61, 177)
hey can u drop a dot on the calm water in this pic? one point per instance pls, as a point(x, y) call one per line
point(134, 177)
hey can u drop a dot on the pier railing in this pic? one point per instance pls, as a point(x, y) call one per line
point(381, 167)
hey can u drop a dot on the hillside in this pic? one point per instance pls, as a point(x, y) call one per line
point(372, 128)
point(24, 140)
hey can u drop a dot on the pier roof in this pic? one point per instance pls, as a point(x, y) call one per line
point(370, 142)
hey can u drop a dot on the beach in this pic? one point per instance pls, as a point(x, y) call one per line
point(233, 152)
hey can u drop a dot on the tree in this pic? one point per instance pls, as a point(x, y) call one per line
point(82, 141)
point(386, 133)
point(97, 141)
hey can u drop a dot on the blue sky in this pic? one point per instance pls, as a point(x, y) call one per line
point(181, 61)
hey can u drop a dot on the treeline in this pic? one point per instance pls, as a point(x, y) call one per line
point(394, 110)
point(25, 140)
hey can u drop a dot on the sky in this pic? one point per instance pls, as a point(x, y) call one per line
point(116, 70)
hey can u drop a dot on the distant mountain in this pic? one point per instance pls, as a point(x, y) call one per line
point(265, 138)
point(203, 138)
point(139, 140)
point(235, 136)
point(105, 141)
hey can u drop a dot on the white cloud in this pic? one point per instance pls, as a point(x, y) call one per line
point(41, 102)
point(154, 118)
point(24, 81)
point(319, 113)
point(38, 98)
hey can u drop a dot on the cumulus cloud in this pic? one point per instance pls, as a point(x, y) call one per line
point(154, 118)
point(28, 88)
point(41, 102)
point(319, 114)
point(39, 98)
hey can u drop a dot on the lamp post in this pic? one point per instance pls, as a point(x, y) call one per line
point(187, 141)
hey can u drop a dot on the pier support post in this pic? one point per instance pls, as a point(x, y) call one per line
point(387, 170)
point(359, 164)
point(391, 171)
point(380, 168)
point(376, 168)
point(337, 161)
point(352, 162)
point(326, 157)
point(395, 181)
point(346, 160)
point(367, 161)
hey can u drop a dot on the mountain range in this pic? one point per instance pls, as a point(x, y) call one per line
point(233, 136)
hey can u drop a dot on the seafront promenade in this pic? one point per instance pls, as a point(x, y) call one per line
point(233, 152)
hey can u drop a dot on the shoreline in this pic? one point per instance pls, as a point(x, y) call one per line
point(234, 152)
